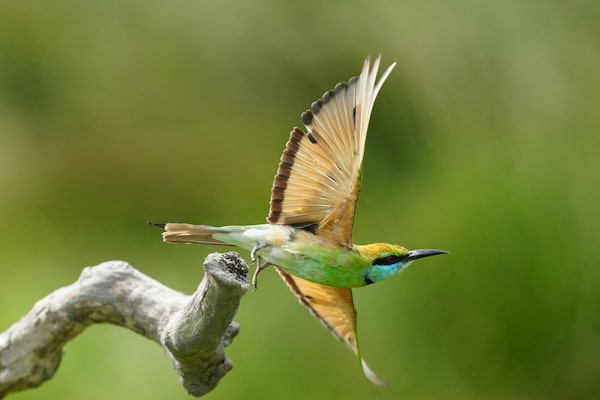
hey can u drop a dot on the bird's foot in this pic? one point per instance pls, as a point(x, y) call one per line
point(256, 259)
point(259, 268)
point(257, 247)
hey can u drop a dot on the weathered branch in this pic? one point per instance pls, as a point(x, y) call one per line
point(193, 330)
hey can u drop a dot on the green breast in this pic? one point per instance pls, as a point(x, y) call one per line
point(319, 262)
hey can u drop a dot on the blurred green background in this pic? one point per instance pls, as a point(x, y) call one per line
point(484, 141)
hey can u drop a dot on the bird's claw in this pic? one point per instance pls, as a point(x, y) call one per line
point(257, 247)
point(256, 259)
point(259, 268)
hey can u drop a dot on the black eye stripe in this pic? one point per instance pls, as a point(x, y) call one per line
point(387, 260)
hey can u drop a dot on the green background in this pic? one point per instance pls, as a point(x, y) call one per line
point(484, 141)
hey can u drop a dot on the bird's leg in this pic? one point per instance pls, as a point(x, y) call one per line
point(259, 267)
point(255, 249)
point(256, 259)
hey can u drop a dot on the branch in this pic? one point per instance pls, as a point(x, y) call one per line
point(193, 330)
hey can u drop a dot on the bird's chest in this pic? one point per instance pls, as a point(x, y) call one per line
point(319, 262)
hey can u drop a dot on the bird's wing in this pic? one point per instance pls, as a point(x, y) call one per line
point(317, 183)
point(335, 308)
point(318, 179)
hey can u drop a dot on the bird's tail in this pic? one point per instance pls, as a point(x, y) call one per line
point(188, 233)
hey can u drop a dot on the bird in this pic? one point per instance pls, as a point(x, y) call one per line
point(308, 234)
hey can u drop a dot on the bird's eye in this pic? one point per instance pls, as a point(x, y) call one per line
point(387, 260)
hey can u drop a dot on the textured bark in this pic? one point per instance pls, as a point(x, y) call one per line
point(193, 330)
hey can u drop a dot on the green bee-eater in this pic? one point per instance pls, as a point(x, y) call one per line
point(308, 237)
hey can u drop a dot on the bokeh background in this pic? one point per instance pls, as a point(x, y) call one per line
point(484, 141)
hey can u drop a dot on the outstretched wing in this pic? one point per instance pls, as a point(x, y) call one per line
point(318, 179)
point(317, 183)
point(334, 307)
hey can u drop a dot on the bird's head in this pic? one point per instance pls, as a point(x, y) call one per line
point(388, 259)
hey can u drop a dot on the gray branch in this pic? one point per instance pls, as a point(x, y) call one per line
point(193, 330)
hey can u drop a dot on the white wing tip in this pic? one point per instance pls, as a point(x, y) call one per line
point(372, 376)
point(374, 66)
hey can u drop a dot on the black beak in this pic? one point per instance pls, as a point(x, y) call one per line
point(421, 253)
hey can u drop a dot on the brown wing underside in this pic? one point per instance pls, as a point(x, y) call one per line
point(332, 305)
point(318, 179)
point(311, 188)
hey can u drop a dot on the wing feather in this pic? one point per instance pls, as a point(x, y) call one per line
point(334, 307)
point(318, 179)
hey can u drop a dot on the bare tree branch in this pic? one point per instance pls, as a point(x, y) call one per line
point(193, 330)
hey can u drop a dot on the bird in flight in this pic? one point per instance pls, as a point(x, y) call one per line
point(308, 237)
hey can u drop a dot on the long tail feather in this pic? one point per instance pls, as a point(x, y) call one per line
point(188, 233)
